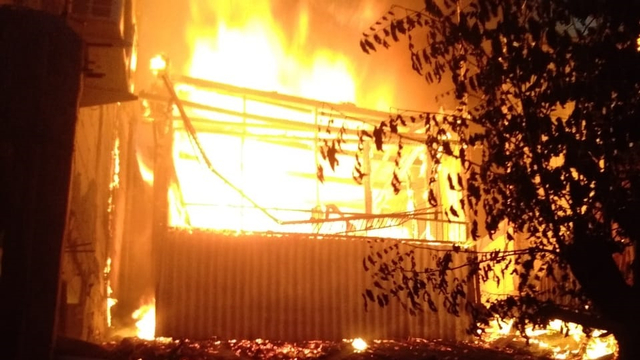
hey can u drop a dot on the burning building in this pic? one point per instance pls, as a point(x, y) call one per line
point(217, 195)
point(218, 203)
point(257, 242)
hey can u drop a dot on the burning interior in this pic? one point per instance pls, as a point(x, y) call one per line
point(247, 160)
point(249, 164)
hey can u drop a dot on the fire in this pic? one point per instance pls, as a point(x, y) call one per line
point(146, 172)
point(261, 153)
point(564, 340)
point(146, 321)
point(111, 301)
point(242, 44)
point(359, 345)
point(158, 64)
point(598, 346)
point(247, 47)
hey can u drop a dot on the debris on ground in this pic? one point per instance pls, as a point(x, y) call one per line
point(411, 349)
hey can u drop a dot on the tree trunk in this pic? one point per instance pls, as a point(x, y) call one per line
point(629, 342)
point(592, 264)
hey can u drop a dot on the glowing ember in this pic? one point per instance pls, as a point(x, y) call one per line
point(146, 321)
point(265, 349)
point(359, 345)
point(115, 153)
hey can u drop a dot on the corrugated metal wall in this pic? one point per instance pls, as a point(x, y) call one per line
point(285, 288)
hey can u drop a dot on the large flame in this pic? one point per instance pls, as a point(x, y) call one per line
point(274, 161)
point(241, 43)
point(145, 318)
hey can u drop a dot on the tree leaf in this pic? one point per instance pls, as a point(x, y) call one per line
point(400, 27)
point(332, 153)
point(451, 186)
point(364, 47)
point(370, 295)
point(369, 45)
point(378, 134)
point(320, 173)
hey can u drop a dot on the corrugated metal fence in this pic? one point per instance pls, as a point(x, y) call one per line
point(280, 287)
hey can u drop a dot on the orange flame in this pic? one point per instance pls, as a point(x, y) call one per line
point(359, 345)
point(111, 301)
point(269, 149)
point(247, 47)
point(146, 321)
point(563, 340)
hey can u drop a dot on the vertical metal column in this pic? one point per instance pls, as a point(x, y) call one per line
point(315, 152)
point(366, 181)
point(163, 165)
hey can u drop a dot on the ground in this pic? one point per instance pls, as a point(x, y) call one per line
point(412, 349)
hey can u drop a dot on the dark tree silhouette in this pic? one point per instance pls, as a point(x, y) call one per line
point(547, 96)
